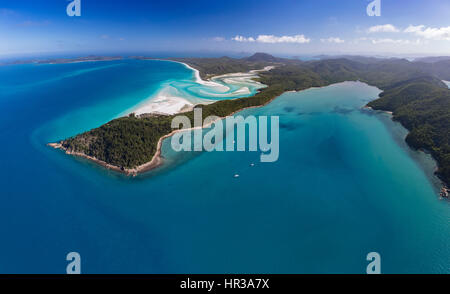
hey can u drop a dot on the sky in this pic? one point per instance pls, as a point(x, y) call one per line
point(281, 27)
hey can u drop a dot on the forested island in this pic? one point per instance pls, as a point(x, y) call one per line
point(412, 91)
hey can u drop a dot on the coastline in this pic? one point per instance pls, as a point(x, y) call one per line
point(63, 60)
point(197, 76)
point(444, 188)
point(384, 111)
point(157, 159)
point(166, 102)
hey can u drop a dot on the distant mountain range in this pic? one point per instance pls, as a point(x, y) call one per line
point(432, 59)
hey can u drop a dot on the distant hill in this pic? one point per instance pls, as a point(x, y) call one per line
point(432, 59)
point(440, 69)
point(358, 58)
point(262, 57)
point(210, 67)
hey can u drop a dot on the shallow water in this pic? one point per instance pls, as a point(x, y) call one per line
point(345, 185)
point(174, 95)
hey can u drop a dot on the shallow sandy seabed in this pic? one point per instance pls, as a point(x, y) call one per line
point(169, 100)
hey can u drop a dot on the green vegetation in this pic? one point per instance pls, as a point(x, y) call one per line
point(413, 91)
point(125, 142)
point(210, 67)
point(423, 107)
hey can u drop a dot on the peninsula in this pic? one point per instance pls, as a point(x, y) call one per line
point(412, 91)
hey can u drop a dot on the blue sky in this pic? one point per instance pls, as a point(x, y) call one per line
point(284, 27)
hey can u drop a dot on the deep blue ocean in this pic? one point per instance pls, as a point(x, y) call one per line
point(345, 185)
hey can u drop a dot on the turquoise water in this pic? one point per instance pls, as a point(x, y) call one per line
point(175, 94)
point(345, 185)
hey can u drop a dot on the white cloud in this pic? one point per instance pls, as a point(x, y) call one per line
point(387, 28)
point(389, 41)
point(239, 38)
point(430, 33)
point(271, 39)
point(299, 39)
point(396, 41)
point(358, 40)
point(414, 29)
point(332, 40)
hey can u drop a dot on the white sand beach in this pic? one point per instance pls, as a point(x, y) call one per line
point(200, 81)
point(170, 100)
point(164, 105)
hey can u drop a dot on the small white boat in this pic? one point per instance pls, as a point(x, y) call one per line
point(444, 192)
point(236, 176)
